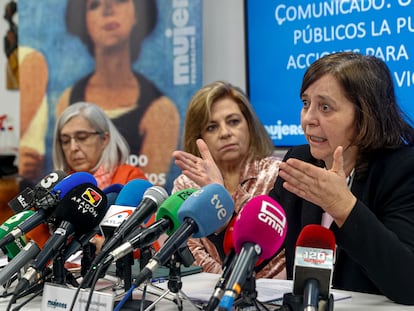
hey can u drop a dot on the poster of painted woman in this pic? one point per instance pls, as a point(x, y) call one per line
point(139, 60)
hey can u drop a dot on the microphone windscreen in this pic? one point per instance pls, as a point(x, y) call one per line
point(316, 236)
point(169, 208)
point(228, 243)
point(261, 221)
point(40, 234)
point(51, 180)
point(112, 193)
point(111, 198)
point(314, 259)
point(83, 207)
point(114, 188)
point(210, 207)
point(132, 192)
point(73, 180)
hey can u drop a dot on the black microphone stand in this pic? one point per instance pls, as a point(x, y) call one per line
point(59, 274)
point(125, 269)
point(248, 296)
point(181, 256)
point(293, 302)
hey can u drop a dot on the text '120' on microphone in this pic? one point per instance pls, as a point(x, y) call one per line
point(314, 259)
point(42, 214)
point(202, 213)
point(166, 222)
point(78, 212)
point(259, 232)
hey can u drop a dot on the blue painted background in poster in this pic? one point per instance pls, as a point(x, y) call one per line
point(42, 27)
point(284, 37)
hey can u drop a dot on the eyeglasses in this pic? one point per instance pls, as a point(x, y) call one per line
point(81, 138)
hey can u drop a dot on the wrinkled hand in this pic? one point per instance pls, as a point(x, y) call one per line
point(202, 171)
point(325, 188)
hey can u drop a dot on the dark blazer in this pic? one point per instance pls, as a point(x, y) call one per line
point(375, 246)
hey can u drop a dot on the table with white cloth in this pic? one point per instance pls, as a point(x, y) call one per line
point(201, 284)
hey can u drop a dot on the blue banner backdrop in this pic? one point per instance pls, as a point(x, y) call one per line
point(284, 37)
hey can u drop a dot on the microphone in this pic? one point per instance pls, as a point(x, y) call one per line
point(152, 198)
point(167, 222)
point(59, 191)
point(29, 251)
point(111, 192)
point(25, 198)
point(36, 240)
point(128, 198)
point(202, 213)
point(228, 265)
point(259, 231)
point(78, 212)
point(12, 248)
point(83, 242)
point(18, 251)
point(114, 188)
point(314, 258)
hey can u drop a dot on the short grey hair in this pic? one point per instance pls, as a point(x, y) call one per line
point(115, 153)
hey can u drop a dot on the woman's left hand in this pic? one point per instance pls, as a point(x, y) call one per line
point(325, 188)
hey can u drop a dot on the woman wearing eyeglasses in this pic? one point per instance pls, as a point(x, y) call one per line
point(86, 140)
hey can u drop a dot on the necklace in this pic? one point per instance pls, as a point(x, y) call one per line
point(350, 178)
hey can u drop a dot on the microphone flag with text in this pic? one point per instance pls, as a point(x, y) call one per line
point(313, 268)
point(81, 209)
point(40, 192)
point(126, 202)
point(83, 242)
point(259, 232)
point(202, 213)
point(12, 249)
point(42, 214)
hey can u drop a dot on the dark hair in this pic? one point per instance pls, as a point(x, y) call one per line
point(146, 16)
point(367, 82)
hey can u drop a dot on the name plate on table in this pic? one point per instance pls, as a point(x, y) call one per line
point(59, 297)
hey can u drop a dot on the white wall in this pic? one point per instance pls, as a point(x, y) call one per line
point(9, 99)
point(224, 42)
point(223, 49)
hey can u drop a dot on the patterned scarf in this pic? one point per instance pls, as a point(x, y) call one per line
point(103, 177)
